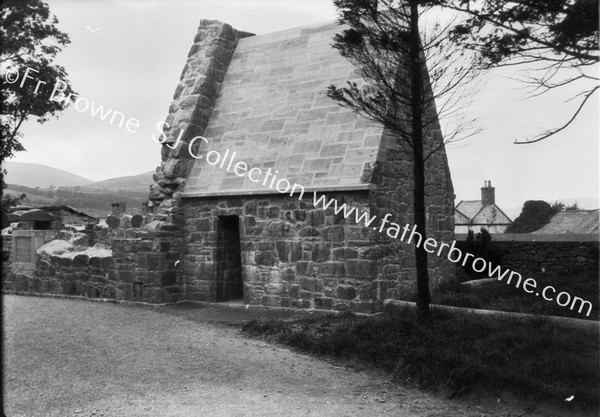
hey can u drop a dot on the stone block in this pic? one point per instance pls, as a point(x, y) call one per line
point(316, 218)
point(65, 261)
point(125, 222)
point(81, 261)
point(369, 291)
point(304, 268)
point(37, 285)
point(96, 263)
point(249, 221)
point(323, 303)
point(125, 291)
point(109, 291)
point(113, 222)
point(108, 263)
point(273, 212)
point(126, 276)
point(71, 287)
point(270, 300)
point(264, 258)
point(202, 225)
point(363, 307)
point(341, 306)
point(362, 269)
point(321, 252)
point(309, 232)
point(168, 278)
point(311, 284)
point(333, 234)
point(332, 269)
point(98, 279)
point(173, 289)
point(306, 295)
point(289, 251)
point(345, 253)
point(137, 220)
point(111, 275)
point(265, 246)
point(346, 292)
point(289, 275)
point(64, 235)
point(294, 291)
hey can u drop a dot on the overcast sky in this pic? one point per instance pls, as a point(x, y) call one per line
point(132, 57)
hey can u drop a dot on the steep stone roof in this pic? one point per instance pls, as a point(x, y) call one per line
point(273, 112)
point(576, 222)
point(475, 212)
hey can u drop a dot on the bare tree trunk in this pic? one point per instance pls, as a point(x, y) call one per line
point(423, 297)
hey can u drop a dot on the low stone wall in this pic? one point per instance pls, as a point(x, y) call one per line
point(534, 255)
point(138, 264)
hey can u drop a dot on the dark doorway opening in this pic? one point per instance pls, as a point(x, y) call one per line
point(229, 259)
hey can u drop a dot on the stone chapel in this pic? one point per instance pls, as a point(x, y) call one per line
point(226, 234)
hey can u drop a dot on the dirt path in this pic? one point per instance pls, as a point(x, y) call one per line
point(80, 358)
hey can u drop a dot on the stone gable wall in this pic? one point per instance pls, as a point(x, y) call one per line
point(190, 110)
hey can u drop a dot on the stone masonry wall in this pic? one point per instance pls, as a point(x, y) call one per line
point(294, 254)
point(393, 175)
point(139, 265)
point(535, 259)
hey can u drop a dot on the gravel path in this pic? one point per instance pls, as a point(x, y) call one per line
point(79, 358)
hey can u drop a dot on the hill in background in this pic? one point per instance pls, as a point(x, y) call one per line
point(44, 185)
point(138, 183)
point(38, 175)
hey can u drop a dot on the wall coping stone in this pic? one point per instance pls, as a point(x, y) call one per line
point(398, 307)
point(537, 237)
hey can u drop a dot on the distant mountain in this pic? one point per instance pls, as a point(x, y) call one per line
point(139, 182)
point(38, 175)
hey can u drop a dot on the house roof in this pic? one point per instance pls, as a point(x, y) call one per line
point(273, 111)
point(474, 212)
point(68, 209)
point(575, 221)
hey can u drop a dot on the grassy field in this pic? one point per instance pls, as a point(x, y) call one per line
point(506, 297)
point(457, 354)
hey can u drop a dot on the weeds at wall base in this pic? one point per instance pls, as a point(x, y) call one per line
point(457, 354)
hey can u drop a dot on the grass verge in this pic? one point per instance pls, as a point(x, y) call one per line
point(506, 297)
point(457, 354)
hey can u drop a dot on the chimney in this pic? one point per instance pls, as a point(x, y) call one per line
point(488, 193)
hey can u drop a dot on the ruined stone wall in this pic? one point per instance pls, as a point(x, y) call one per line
point(133, 263)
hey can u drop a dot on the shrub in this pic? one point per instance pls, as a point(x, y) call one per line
point(534, 216)
point(480, 246)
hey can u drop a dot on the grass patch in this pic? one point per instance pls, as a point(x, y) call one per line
point(506, 297)
point(456, 354)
